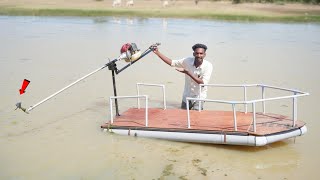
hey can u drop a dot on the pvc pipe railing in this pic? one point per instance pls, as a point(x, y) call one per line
point(233, 103)
point(157, 85)
point(123, 97)
point(297, 94)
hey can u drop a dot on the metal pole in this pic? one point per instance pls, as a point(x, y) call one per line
point(126, 66)
point(115, 91)
point(56, 93)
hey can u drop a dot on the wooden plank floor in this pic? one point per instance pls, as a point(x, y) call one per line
point(205, 120)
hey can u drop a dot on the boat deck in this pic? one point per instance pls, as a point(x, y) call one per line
point(209, 121)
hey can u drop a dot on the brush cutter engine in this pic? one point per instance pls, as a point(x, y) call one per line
point(130, 52)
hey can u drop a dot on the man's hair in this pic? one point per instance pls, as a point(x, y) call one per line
point(196, 46)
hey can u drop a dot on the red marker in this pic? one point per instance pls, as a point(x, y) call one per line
point(24, 86)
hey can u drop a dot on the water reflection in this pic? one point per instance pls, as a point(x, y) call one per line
point(99, 20)
point(120, 20)
point(164, 24)
point(116, 20)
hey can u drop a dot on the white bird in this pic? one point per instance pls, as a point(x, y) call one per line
point(116, 3)
point(130, 3)
point(165, 3)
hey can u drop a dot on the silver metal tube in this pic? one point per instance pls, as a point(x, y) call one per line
point(61, 90)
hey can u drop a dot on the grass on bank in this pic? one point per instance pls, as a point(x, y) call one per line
point(157, 13)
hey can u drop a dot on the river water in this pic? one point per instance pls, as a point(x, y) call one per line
point(62, 139)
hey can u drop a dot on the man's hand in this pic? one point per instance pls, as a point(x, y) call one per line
point(194, 77)
point(156, 51)
point(182, 70)
point(154, 48)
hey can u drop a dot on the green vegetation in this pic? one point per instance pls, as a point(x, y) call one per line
point(176, 13)
point(167, 171)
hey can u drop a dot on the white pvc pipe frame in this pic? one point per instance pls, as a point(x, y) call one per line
point(253, 102)
point(122, 97)
point(157, 85)
point(233, 103)
point(138, 96)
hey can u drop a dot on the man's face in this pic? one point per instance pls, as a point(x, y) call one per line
point(199, 54)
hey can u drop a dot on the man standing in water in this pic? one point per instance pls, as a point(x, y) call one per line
point(197, 71)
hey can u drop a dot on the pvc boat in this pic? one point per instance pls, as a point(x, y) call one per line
point(210, 126)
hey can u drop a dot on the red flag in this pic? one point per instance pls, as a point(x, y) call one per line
point(24, 86)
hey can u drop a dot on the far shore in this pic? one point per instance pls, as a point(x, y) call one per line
point(220, 10)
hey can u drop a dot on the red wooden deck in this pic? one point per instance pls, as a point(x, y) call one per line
point(221, 121)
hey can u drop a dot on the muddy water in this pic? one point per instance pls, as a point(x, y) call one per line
point(61, 139)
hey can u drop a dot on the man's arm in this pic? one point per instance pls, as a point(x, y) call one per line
point(162, 57)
